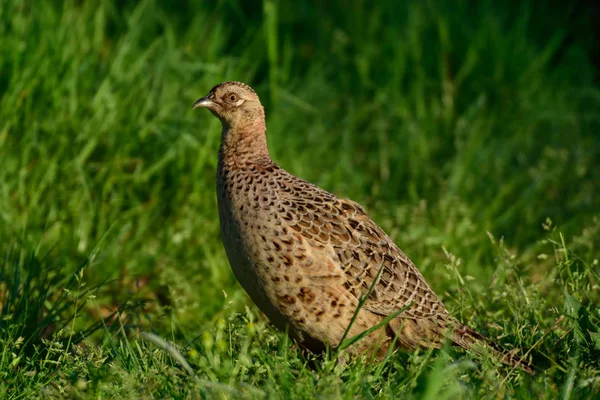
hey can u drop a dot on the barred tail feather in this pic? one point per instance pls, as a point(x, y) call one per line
point(470, 339)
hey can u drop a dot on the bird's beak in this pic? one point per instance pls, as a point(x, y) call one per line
point(205, 102)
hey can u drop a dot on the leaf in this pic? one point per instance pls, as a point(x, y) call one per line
point(595, 339)
point(572, 308)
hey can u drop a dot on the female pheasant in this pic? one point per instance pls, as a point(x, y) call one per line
point(309, 259)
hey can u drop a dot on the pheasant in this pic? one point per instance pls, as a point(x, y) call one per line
point(316, 264)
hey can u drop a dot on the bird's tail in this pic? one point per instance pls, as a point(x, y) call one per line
point(470, 339)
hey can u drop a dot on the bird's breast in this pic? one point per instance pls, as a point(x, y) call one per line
point(242, 222)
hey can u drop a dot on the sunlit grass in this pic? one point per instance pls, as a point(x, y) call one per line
point(470, 134)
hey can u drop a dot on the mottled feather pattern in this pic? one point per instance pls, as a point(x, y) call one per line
point(307, 257)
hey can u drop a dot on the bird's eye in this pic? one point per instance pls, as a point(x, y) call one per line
point(232, 97)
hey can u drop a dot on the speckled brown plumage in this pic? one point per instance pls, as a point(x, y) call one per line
point(307, 257)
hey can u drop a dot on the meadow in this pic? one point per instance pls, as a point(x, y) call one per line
point(470, 131)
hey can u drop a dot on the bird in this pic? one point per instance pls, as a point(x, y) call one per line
point(315, 264)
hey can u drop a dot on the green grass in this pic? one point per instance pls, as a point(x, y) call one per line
point(470, 132)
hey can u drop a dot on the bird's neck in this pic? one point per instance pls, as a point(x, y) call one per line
point(247, 145)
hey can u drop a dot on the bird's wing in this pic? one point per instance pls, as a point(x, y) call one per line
point(367, 262)
point(371, 263)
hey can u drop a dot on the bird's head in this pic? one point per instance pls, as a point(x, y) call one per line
point(235, 104)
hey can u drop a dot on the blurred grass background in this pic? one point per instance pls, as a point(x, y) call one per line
point(469, 130)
